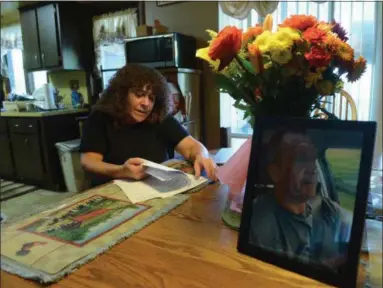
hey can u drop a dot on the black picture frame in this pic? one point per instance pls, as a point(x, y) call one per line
point(166, 3)
point(347, 276)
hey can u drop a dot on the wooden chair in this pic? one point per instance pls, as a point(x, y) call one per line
point(342, 106)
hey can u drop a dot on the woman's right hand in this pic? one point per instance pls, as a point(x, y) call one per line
point(133, 169)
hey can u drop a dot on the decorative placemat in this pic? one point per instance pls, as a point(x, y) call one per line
point(51, 244)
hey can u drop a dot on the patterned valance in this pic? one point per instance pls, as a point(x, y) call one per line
point(111, 29)
point(240, 9)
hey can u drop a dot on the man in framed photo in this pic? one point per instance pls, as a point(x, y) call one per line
point(294, 218)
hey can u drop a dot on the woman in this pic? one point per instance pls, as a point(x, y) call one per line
point(132, 122)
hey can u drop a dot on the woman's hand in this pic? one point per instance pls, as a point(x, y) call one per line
point(202, 162)
point(133, 169)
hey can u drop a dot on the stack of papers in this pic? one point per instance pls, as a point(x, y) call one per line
point(162, 182)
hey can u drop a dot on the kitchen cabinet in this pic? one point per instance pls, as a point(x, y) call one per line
point(28, 152)
point(48, 34)
point(27, 157)
point(6, 162)
point(57, 36)
point(31, 52)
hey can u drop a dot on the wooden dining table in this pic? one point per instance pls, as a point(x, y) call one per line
point(188, 247)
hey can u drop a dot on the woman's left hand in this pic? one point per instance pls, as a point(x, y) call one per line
point(205, 163)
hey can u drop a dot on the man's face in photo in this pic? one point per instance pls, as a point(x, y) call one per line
point(294, 169)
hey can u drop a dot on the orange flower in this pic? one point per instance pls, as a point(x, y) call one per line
point(255, 57)
point(326, 27)
point(314, 35)
point(268, 23)
point(300, 22)
point(226, 46)
point(251, 33)
point(358, 69)
point(317, 57)
point(332, 42)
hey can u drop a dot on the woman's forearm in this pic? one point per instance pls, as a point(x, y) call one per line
point(198, 149)
point(98, 166)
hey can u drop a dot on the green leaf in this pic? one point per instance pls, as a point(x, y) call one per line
point(247, 65)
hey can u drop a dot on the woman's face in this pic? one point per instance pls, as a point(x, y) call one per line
point(140, 103)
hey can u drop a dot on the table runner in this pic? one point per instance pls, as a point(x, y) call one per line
point(51, 244)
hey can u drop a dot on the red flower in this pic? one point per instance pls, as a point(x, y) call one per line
point(317, 57)
point(314, 35)
point(300, 22)
point(226, 46)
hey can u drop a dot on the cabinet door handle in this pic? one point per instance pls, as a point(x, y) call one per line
point(26, 141)
point(30, 126)
point(16, 125)
point(42, 57)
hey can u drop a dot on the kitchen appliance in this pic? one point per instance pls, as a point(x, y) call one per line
point(44, 97)
point(172, 50)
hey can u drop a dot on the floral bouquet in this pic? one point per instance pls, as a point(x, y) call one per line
point(283, 73)
point(286, 72)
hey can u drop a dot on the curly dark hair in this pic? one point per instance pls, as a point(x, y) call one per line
point(135, 77)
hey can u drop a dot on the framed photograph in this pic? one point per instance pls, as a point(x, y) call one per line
point(306, 196)
point(165, 3)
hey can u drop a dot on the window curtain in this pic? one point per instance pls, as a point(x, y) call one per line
point(10, 39)
point(376, 103)
point(241, 9)
point(111, 29)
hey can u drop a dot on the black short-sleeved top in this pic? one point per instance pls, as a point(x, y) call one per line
point(144, 140)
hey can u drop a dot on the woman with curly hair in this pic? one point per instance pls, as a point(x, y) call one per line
point(132, 122)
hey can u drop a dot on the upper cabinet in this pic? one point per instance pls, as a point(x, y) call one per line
point(57, 36)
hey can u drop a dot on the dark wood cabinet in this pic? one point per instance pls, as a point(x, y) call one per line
point(6, 161)
point(57, 36)
point(31, 52)
point(27, 157)
point(48, 32)
point(27, 148)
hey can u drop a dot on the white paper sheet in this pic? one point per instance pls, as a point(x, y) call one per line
point(162, 182)
point(161, 172)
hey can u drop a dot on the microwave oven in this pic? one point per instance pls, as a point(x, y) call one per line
point(172, 50)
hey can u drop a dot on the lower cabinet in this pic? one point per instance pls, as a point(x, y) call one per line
point(27, 157)
point(27, 148)
point(6, 163)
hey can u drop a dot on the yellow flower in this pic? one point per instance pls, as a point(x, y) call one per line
point(281, 56)
point(262, 41)
point(268, 23)
point(212, 35)
point(289, 33)
point(325, 87)
point(203, 54)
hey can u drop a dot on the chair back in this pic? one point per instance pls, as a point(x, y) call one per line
point(342, 106)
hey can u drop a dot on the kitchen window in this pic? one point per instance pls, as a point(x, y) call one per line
point(112, 59)
point(12, 66)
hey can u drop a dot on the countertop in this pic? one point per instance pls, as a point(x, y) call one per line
point(42, 114)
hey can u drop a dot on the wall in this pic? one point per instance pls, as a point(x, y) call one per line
point(193, 18)
point(60, 80)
